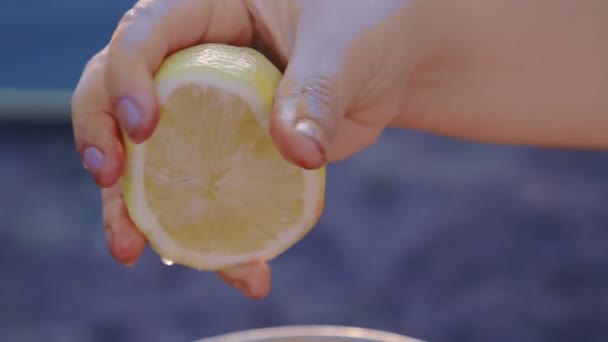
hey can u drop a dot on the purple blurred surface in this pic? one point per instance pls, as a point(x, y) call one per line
point(427, 237)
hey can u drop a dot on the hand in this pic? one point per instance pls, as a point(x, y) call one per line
point(352, 68)
point(324, 111)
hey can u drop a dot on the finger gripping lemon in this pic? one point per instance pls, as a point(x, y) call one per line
point(209, 189)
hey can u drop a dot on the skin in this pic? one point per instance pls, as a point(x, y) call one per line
point(513, 72)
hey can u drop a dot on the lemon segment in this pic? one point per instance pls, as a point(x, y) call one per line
point(209, 189)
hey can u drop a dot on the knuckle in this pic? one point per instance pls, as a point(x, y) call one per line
point(319, 93)
point(80, 105)
point(89, 96)
point(91, 126)
point(141, 10)
point(98, 60)
point(138, 23)
point(109, 213)
point(86, 89)
point(134, 27)
point(112, 208)
point(106, 226)
point(317, 101)
point(320, 86)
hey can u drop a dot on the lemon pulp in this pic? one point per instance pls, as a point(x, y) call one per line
point(209, 189)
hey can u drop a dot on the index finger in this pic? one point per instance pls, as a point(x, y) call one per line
point(146, 35)
point(95, 131)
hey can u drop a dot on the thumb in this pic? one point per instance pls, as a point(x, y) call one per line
point(310, 102)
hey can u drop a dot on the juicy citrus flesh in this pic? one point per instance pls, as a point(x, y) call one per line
point(209, 188)
point(219, 184)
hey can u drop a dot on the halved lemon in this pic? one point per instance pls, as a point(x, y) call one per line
point(209, 189)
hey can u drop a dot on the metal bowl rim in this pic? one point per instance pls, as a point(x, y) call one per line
point(304, 331)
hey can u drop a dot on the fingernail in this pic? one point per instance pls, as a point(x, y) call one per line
point(289, 111)
point(129, 115)
point(308, 150)
point(93, 159)
point(312, 131)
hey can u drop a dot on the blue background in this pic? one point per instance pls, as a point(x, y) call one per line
point(425, 236)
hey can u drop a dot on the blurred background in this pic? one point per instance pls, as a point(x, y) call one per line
point(429, 237)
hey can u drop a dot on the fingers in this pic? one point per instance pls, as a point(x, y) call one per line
point(311, 100)
point(253, 280)
point(125, 242)
point(146, 35)
point(95, 131)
